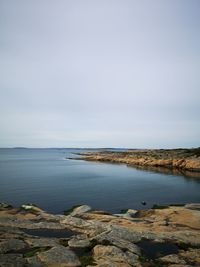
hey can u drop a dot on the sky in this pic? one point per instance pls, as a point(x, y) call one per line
point(100, 73)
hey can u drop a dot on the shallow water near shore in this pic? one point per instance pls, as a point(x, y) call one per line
point(46, 178)
point(57, 233)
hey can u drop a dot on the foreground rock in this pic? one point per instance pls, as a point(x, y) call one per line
point(90, 238)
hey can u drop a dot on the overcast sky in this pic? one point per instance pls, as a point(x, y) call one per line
point(100, 73)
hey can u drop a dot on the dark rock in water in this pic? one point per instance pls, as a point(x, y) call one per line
point(143, 203)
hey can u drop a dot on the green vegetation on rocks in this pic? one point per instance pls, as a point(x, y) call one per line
point(32, 251)
point(87, 260)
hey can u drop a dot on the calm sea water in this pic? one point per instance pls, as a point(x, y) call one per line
point(46, 178)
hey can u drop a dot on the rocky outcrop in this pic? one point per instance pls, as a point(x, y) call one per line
point(91, 238)
point(183, 159)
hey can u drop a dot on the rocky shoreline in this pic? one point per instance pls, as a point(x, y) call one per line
point(162, 236)
point(179, 159)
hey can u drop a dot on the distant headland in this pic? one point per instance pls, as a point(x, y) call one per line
point(180, 158)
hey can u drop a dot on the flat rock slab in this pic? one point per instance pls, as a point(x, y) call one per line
point(59, 256)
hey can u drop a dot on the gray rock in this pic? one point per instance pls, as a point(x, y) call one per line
point(12, 245)
point(118, 242)
point(13, 222)
point(42, 242)
point(12, 260)
point(79, 242)
point(123, 233)
point(132, 259)
point(80, 210)
point(34, 262)
point(59, 256)
point(75, 222)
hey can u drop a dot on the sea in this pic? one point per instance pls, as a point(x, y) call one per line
point(55, 180)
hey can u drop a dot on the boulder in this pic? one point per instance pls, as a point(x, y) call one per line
point(59, 256)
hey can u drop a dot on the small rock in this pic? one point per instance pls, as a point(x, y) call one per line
point(5, 206)
point(80, 210)
point(132, 212)
point(31, 208)
point(78, 242)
